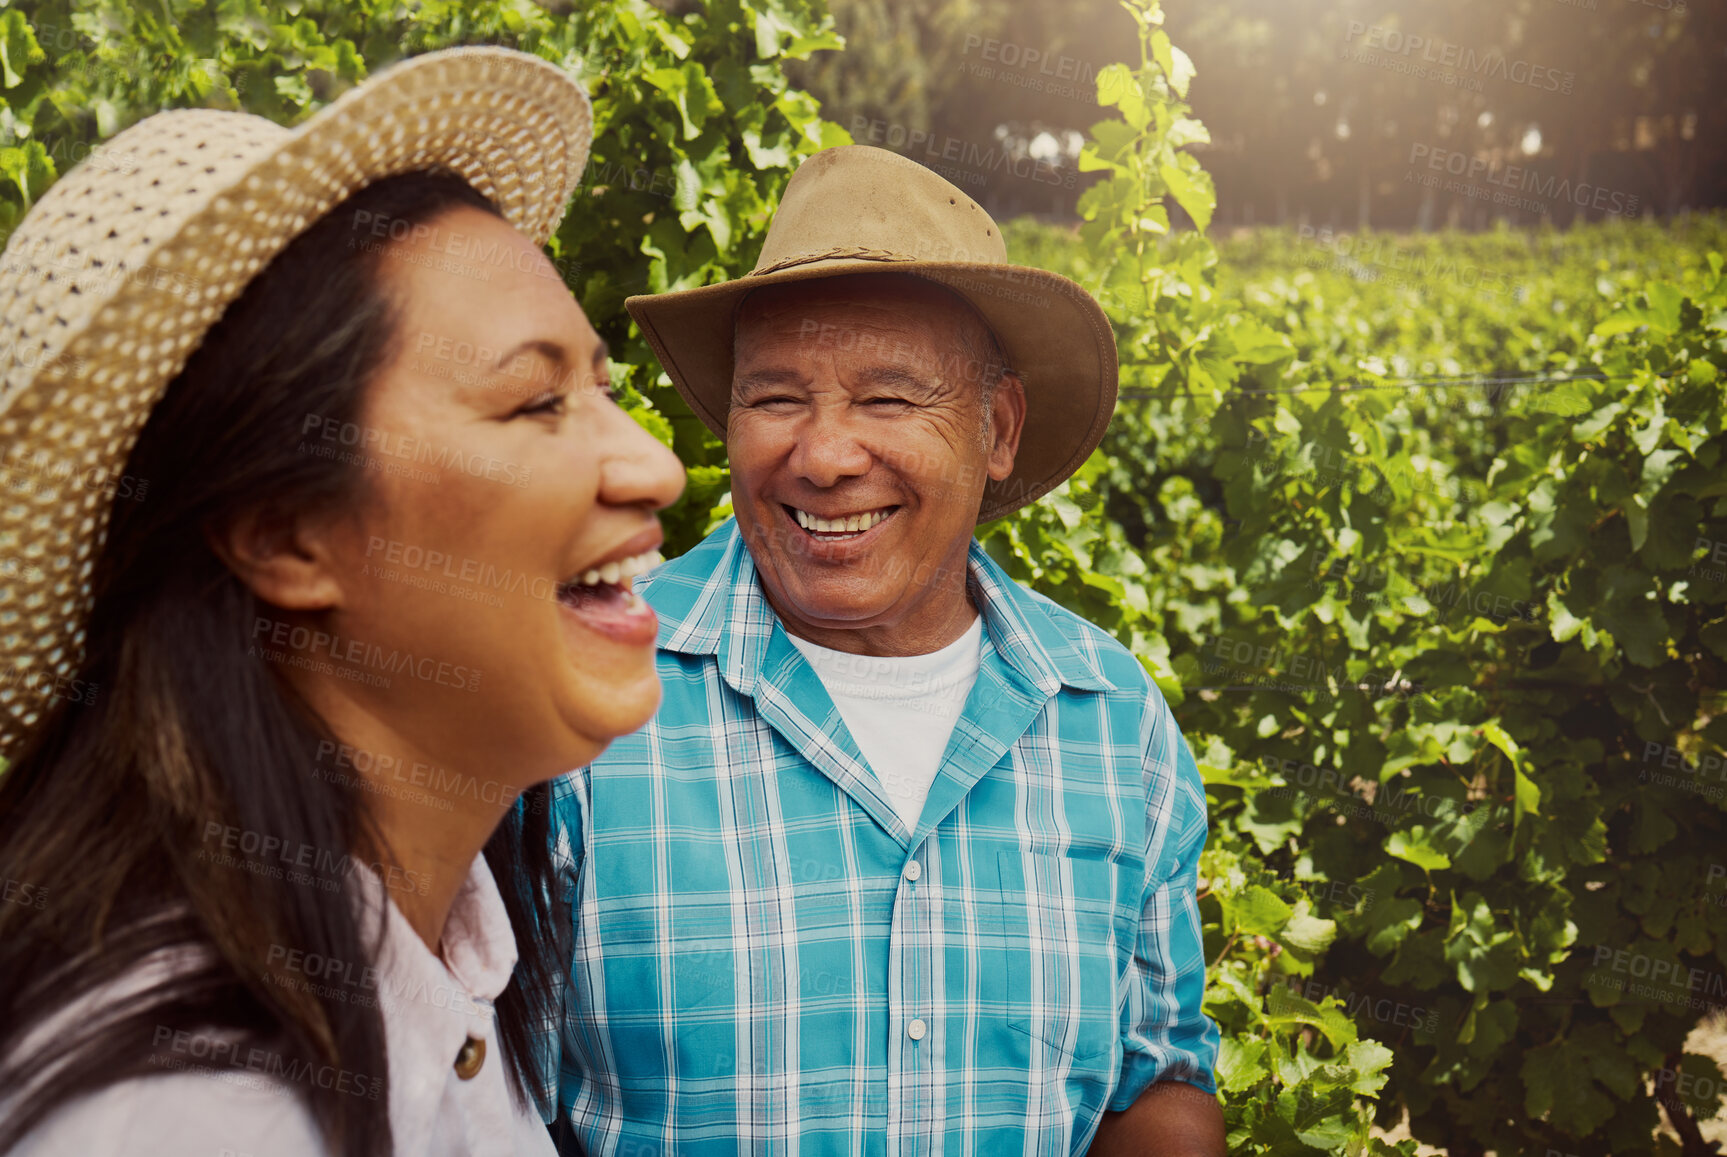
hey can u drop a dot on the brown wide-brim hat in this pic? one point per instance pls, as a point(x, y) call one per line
point(115, 275)
point(859, 209)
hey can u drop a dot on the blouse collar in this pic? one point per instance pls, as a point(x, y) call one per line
point(431, 1006)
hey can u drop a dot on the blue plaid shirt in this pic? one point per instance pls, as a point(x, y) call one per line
point(767, 961)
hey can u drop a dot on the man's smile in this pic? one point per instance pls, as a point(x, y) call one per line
point(840, 526)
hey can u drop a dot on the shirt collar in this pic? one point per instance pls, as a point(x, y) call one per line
point(710, 602)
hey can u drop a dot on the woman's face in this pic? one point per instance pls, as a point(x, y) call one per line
point(485, 614)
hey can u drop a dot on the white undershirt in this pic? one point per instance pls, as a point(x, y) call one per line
point(901, 709)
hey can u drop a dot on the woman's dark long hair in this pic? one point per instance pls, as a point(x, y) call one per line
point(153, 815)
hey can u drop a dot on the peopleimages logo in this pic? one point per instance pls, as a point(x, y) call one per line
point(1455, 59)
point(1356, 1005)
point(1382, 256)
point(275, 857)
point(357, 653)
point(1042, 60)
point(380, 770)
point(171, 1047)
point(1438, 595)
point(1644, 975)
point(1522, 179)
point(367, 439)
point(971, 157)
point(25, 895)
point(364, 985)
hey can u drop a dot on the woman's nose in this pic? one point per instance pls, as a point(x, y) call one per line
point(639, 469)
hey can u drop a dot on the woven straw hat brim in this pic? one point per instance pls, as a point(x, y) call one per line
point(1053, 332)
point(116, 274)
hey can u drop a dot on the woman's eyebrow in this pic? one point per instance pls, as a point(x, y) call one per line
point(552, 351)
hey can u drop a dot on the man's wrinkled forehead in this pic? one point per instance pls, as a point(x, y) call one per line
point(884, 317)
point(879, 300)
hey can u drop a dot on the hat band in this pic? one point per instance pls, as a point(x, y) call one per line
point(842, 251)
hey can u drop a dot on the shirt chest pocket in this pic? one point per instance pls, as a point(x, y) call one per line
point(1057, 939)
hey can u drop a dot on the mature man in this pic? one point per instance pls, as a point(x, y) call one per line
point(907, 861)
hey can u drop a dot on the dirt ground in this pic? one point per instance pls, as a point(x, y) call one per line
point(1708, 1038)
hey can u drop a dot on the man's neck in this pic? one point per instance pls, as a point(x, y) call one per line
point(929, 631)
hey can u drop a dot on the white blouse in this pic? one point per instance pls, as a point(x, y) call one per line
point(252, 1109)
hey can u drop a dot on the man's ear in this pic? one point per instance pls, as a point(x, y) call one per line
point(286, 560)
point(1006, 423)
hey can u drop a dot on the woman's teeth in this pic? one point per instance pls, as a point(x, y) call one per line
point(850, 524)
point(604, 601)
point(623, 570)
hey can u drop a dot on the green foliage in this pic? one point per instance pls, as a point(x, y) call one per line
point(1485, 621)
point(1448, 640)
point(1452, 647)
point(1295, 1073)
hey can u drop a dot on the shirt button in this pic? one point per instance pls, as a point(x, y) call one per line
point(469, 1058)
point(912, 871)
point(916, 1029)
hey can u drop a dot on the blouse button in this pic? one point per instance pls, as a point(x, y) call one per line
point(470, 1058)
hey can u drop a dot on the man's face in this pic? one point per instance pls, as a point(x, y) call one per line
point(859, 450)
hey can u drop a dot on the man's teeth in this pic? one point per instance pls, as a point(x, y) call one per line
point(623, 570)
point(850, 524)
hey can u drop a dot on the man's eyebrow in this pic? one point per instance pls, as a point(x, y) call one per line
point(898, 376)
point(767, 377)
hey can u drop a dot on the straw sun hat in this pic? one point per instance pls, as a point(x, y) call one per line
point(115, 275)
point(859, 209)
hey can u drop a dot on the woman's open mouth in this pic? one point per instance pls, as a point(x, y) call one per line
point(604, 600)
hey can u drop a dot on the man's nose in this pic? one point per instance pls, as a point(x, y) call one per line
point(828, 449)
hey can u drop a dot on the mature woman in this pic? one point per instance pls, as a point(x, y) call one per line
point(315, 555)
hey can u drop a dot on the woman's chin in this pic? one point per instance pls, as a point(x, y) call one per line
point(646, 701)
point(614, 706)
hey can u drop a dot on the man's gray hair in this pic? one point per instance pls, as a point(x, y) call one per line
point(982, 351)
